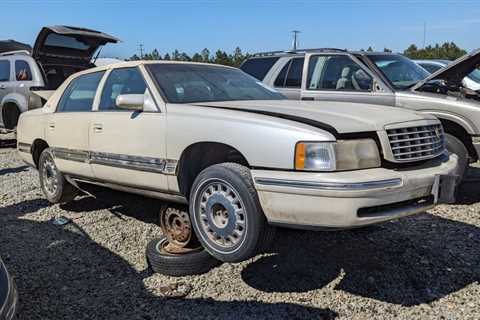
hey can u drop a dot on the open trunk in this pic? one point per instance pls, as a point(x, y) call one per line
point(62, 51)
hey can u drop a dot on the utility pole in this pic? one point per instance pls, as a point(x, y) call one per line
point(295, 41)
point(141, 50)
point(424, 33)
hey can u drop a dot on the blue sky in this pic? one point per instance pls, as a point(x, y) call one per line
point(252, 25)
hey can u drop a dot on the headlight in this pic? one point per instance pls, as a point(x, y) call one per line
point(337, 156)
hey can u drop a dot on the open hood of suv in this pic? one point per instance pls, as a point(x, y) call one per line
point(454, 73)
point(70, 45)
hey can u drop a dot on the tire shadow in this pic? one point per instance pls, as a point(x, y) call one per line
point(407, 262)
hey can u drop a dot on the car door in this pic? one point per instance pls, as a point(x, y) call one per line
point(128, 147)
point(68, 127)
point(289, 80)
point(341, 77)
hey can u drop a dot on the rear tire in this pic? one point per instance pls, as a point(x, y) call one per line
point(54, 185)
point(10, 115)
point(226, 213)
point(456, 146)
point(197, 261)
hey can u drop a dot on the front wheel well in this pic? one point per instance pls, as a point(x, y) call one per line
point(459, 132)
point(37, 148)
point(201, 155)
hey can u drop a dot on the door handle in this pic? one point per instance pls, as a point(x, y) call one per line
point(2, 86)
point(51, 125)
point(97, 127)
point(308, 98)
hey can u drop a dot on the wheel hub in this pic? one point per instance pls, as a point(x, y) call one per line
point(222, 216)
point(50, 176)
point(176, 227)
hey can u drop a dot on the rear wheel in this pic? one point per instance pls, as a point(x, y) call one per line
point(226, 213)
point(10, 115)
point(54, 185)
point(456, 146)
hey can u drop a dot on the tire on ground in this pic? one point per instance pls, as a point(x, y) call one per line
point(226, 213)
point(54, 185)
point(455, 145)
point(197, 261)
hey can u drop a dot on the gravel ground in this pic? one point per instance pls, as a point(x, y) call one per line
point(422, 267)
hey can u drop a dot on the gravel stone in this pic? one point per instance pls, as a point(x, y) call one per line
point(421, 267)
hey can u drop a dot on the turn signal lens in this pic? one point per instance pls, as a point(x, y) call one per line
point(315, 156)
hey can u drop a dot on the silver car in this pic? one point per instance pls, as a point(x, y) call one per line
point(380, 78)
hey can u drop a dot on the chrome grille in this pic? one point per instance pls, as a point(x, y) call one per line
point(416, 143)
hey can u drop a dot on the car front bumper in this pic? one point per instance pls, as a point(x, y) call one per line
point(476, 145)
point(353, 198)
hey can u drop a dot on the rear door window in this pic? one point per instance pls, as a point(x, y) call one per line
point(258, 67)
point(291, 74)
point(4, 70)
point(80, 93)
point(294, 76)
point(22, 71)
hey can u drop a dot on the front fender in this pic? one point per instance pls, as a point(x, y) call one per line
point(461, 121)
point(264, 141)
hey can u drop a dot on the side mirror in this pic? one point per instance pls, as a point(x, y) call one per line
point(130, 101)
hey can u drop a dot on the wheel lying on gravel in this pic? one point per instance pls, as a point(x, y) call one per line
point(185, 262)
point(226, 213)
point(52, 181)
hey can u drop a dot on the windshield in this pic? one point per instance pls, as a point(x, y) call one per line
point(475, 75)
point(400, 71)
point(188, 83)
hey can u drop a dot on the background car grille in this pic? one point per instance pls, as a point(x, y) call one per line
point(416, 143)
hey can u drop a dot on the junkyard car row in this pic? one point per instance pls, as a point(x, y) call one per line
point(312, 139)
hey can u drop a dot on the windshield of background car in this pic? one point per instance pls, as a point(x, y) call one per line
point(400, 71)
point(475, 75)
point(188, 83)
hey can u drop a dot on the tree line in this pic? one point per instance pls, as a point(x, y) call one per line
point(447, 51)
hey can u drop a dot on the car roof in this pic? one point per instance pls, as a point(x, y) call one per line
point(125, 64)
point(301, 52)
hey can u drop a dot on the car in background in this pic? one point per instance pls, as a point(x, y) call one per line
point(238, 152)
point(381, 78)
point(8, 294)
point(471, 81)
point(59, 51)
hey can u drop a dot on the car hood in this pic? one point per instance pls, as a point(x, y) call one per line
point(56, 44)
point(335, 117)
point(454, 72)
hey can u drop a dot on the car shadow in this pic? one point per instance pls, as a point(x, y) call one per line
point(408, 262)
point(63, 274)
point(468, 192)
point(411, 261)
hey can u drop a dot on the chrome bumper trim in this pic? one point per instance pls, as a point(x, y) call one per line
point(368, 185)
